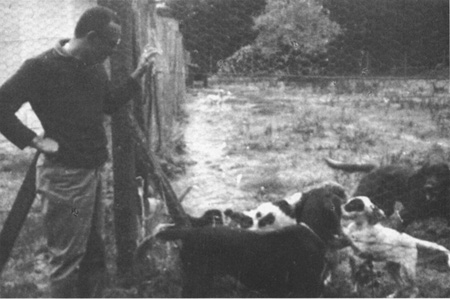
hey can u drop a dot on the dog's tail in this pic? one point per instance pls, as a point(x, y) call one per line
point(347, 167)
point(433, 246)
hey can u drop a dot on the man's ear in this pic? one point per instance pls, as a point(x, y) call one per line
point(376, 216)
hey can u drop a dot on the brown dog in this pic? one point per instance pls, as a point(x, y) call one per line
point(283, 262)
point(424, 192)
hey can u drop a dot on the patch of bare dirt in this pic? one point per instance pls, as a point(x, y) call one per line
point(214, 174)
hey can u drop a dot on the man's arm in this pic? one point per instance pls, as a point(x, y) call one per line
point(24, 86)
point(121, 95)
point(17, 90)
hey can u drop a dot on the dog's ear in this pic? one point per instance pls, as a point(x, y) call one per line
point(298, 208)
point(376, 216)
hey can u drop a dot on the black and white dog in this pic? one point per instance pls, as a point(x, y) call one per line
point(290, 211)
point(286, 262)
point(375, 242)
point(267, 216)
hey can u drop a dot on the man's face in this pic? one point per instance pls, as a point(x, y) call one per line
point(103, 44)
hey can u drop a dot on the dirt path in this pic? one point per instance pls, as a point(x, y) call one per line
point(213, 174)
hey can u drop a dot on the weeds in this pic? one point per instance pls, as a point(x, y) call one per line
point(442, 119)
point(356, 139)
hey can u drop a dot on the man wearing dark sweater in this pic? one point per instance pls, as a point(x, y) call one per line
point(69, 90)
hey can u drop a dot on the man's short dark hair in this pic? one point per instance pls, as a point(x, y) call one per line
point(95, 19)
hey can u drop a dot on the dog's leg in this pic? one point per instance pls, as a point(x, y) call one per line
point(405, 278)
point(355, 283)
point(197, 280)
point(408, 271)
point(394, 270)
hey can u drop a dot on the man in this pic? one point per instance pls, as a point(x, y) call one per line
point(69, 90)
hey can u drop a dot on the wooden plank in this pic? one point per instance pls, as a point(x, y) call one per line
point(151, 164)
point(18, 214)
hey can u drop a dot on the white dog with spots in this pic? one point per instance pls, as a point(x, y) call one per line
point(374, 242)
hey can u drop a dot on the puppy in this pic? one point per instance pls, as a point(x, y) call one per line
point(267, 216)
point(264, 259)
point(327, 196)
point(423, 193)
point(374, 242)
point(288, 262)
point(320, 208)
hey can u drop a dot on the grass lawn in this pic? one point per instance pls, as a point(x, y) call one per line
point(261, 144)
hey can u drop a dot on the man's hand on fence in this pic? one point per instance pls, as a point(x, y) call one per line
point(145, 61)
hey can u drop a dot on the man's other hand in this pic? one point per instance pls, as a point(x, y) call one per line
point(45, 145)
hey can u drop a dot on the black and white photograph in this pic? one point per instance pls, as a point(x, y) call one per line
point(224, 149)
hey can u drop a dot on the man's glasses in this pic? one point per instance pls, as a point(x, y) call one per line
point(111, 43)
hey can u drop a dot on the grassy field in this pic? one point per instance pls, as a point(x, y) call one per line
point(274, 141)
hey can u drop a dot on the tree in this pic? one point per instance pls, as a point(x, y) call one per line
point(215, 29)
point(300, 26)
point(389, 37)
point(293, 40)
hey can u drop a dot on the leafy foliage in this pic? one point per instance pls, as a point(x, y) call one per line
point(297, 26)
point(215, 29)
point(389, 37)
point(348, 37)
point(293, 38)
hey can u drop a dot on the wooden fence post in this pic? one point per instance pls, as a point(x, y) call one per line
point(125, 201)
